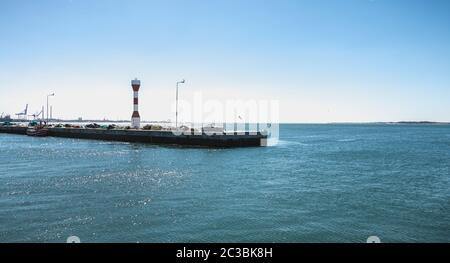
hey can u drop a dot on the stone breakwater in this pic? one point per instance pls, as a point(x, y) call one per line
point(206, 139)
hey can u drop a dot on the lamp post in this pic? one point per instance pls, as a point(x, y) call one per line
point(49, 95)
point(176, 110)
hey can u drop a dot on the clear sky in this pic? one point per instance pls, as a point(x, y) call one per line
point(325, 61)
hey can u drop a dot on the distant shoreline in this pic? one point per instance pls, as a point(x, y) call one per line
point(379, 123)
point(418, 122)
point(317, 123)
point(397, 122)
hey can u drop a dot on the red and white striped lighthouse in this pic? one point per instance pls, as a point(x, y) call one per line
point(135, 118)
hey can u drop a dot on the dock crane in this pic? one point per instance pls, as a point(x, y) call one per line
point(24, 113)
point(38, 114)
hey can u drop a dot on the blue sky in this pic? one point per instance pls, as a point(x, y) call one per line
point(324, 61)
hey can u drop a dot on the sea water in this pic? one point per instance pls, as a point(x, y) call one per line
point(321, 183)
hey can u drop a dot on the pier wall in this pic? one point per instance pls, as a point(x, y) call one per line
point(155, 137)
point(13, 129)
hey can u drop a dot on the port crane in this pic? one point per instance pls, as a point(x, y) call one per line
point(38, 114)
point(24, 113)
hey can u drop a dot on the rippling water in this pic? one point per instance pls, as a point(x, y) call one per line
point(321, 183)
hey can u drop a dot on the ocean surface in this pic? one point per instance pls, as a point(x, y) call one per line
point(321, 183)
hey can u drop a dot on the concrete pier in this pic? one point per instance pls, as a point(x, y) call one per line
point(13, 129)
point(156, 137)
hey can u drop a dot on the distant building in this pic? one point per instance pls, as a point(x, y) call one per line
point(5, 118)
